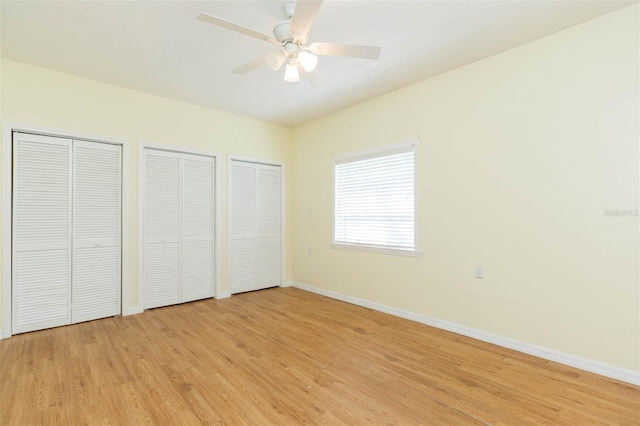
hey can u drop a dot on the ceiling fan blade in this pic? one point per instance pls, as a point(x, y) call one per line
point(205, 17)
point(350, 50)
point(250, 66)
point(303, 17)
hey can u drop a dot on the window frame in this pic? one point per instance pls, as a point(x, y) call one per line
point(380, 151)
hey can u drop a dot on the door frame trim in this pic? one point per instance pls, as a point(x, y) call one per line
point(7, 212)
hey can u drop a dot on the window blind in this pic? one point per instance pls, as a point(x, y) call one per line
point(374, 199)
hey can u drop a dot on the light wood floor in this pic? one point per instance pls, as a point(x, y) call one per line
point(285, 356)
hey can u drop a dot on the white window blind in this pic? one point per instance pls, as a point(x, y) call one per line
point(375, 199)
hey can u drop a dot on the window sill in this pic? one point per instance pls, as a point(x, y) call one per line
point(376, 249)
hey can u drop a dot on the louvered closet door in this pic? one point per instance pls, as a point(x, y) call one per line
point(243, 226)
point(255, 226)
point(41, 276)
point(197, 227)
point(97, 231)
point(162, 205)
point(268, 242)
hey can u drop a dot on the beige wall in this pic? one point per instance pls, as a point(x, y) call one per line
point(519, 157)
point(38, 97)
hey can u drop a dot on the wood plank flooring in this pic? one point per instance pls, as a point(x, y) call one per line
point(285, 356)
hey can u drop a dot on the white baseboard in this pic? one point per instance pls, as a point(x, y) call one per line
point(596, 367)
point(223, 295)
point(132, 310)
point(1, 335)
point(287, 284)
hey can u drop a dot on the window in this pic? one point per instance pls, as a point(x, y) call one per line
point(375, 200)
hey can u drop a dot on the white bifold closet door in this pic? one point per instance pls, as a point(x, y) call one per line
point(41, 270)
point(66, 211)
point(161, 228)
point(96, 231)
point(197, 227)
point(255, 226)
point(178, 227)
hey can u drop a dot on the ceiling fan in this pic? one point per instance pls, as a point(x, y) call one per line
point(293, 37)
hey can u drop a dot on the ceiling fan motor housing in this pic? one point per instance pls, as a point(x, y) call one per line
point(281, 31)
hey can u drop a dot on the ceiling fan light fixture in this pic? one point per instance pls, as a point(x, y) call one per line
point(308, 61)
point(291, 71)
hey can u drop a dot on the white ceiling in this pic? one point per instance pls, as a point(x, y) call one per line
point(159, 47)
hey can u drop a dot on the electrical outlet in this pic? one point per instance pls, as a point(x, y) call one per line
point(309, 251)
point(479, 271)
